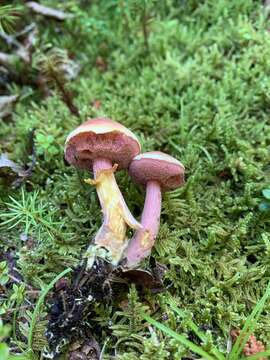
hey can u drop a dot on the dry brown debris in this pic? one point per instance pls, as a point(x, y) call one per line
point(252, 346)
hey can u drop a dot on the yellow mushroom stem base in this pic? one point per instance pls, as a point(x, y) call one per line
point(116, 215)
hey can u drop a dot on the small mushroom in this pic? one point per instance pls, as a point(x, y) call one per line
point(157, 172)
point(104, 146)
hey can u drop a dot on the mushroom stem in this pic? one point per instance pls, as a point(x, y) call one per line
point(143, 240)
point(116, 214)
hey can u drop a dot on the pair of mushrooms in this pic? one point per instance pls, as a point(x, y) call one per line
point(103, 146)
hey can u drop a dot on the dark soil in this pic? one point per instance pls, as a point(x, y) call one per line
point(71, 306)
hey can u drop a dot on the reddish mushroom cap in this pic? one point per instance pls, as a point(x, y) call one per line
point(101, 138)
point(157, 166)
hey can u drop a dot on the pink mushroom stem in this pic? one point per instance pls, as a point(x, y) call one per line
point(143, 240)
point(100, 164)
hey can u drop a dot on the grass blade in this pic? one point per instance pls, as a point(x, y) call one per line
point(249, 326)
point(40, 303)
point(196, 330)
point(180, 338)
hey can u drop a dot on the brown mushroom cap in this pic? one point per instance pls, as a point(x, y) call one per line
point(159, 167)
point(101, 138)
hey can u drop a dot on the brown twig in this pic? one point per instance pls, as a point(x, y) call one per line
point(47, 11)
point(66, 95)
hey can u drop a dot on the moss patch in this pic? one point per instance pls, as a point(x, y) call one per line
point(201, 93)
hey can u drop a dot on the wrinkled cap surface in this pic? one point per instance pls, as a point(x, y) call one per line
point(157, 166)
point(101, 138)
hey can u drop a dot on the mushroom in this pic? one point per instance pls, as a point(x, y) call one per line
point(104, 146)
point(158, 172)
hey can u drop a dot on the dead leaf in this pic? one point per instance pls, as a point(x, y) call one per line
point(20, 173)
point(142, 278)
point(101, 64)
point(11, 258)
point(13, 43)
point(85, 349)
point(6, 105)
point(5, 162)
point(6, 59)
point(96, 104)
point(25, 51)
point(252, 346)
point(25, 30)
point(70, 69)
point(49, 12)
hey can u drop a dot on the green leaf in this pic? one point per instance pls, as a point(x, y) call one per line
point(264, 206)
point(4, 351)
point(266, 193)
point(4, 330)
point(4, 279)
point(52, 150)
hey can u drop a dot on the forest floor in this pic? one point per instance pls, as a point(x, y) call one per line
point(190, 78)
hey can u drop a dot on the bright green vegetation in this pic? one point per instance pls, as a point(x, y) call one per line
point(198, 88)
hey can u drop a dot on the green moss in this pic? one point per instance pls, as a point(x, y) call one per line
point(200, 94)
